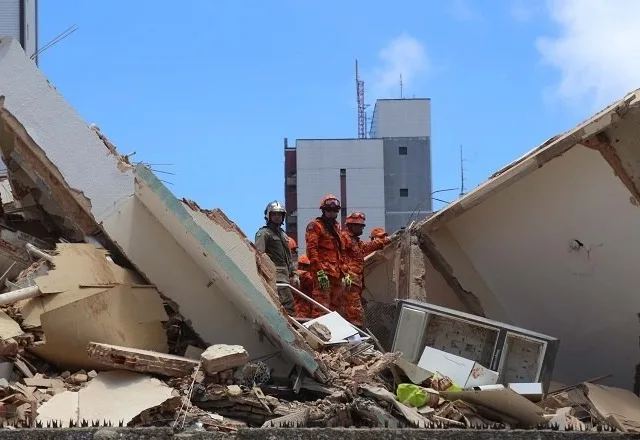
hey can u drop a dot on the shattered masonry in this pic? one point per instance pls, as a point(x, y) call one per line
point(117, 291)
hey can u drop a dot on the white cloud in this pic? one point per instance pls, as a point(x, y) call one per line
point(404, 55)
point(462, 11)
point(595, 50)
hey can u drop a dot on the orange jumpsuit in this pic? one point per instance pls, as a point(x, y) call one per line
point(376, 244)
point(324, 246)
point(301, 305)
point(355, 251)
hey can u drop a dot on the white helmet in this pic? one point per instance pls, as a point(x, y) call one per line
point(274, 206)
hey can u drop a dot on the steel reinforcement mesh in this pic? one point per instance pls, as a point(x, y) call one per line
point(380, 319)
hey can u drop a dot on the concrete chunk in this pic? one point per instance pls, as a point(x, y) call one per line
point(142, 361)
point(222, 357)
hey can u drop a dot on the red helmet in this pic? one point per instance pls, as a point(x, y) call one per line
point(292, 244)
point(356, 218)
point(377, 233)
point(330, 201)
point(303, 259)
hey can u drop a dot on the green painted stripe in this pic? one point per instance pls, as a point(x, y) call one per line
point(262, 305)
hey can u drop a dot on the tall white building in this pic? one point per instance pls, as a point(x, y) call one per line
point(387, 176)
point(19, 19)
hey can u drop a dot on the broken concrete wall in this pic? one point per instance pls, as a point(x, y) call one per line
point(49, 149)
point(403, 270)
point(379, 272)
point(549, 244)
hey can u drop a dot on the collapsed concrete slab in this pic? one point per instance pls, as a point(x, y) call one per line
point(549, 243)
point(85, 297)
point(413, 269)
point(113, 396)
point(203, 263)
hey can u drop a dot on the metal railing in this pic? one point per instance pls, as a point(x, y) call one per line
point(320, 306)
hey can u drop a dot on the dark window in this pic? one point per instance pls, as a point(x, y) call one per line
point(343, 172)
point(404, 192)
point(402, 151)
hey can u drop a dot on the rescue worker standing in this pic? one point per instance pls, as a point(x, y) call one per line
point(324, 246)
point(378, 235)
point(354, 253)
point(272, 240)
point(305, 285)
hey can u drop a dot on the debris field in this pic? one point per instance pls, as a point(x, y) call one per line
point(123, 305)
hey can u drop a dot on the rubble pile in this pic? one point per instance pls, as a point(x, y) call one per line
point(219, 387)
point(122, 305)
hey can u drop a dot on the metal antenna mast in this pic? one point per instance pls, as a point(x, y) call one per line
point(362, 115)
point(401, 88)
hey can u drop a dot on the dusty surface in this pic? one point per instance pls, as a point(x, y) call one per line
point(303, 434)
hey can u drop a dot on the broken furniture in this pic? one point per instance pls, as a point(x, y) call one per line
point(518, 355)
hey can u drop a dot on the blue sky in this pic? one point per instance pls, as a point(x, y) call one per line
point(212, 88)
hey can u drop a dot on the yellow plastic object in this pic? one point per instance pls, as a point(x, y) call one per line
point(412, 395)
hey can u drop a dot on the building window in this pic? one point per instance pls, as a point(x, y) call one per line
point(343, 172)
point(404, 192)
point(402, 151)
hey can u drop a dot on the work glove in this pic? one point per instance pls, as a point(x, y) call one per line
point(323, 280)
point(347, 281)
point(295, 280)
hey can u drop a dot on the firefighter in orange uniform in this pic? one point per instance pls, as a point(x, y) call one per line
point(378, 235)
point(324, 248)
point(355, 251)
point(293, 246)
point(305, 285)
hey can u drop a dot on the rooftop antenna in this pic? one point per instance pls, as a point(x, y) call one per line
point(70, 30)
point(401, 84)
point(362, 113)
point(461, 173)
